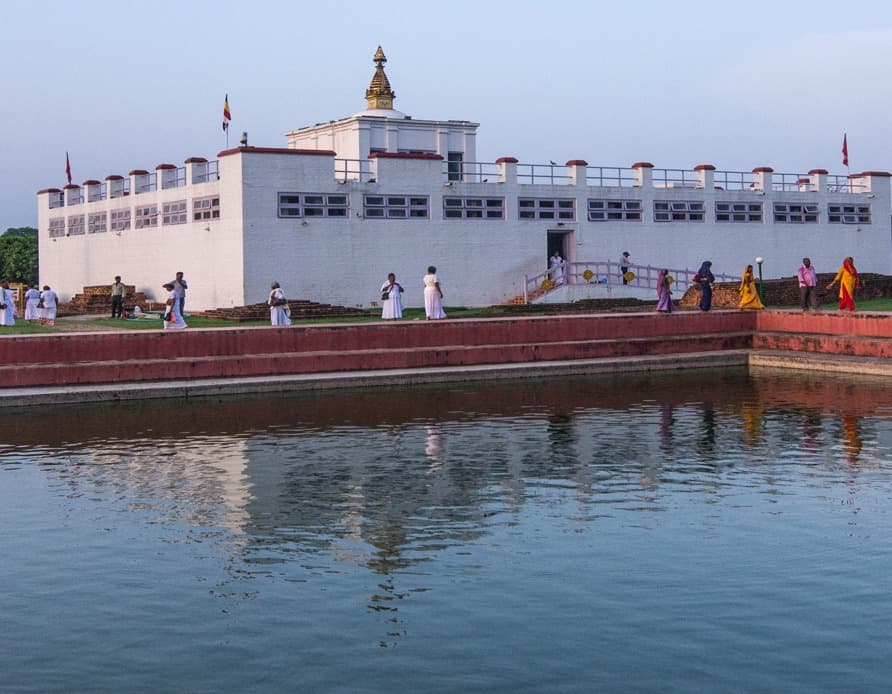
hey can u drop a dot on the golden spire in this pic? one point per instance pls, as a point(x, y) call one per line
point(379, 94)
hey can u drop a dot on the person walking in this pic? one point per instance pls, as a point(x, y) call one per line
point(391, 296)
point(279, 310)
point(433, 296)
point(848, 283)
point(7, 305)
point(172, 318)
point(625, 262)
point(664, 292)
point(32, 303)
point(117, 298)
point(556, 265)
point(179, 289)
point(749, 295)
point(50, 301)
point(705, 279)
point(808, 286)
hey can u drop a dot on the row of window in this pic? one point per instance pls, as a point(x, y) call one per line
point(141, 217)
point(563, 209)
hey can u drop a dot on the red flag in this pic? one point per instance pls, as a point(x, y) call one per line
point(226, 115)
point(845, 150)
point(67, 168)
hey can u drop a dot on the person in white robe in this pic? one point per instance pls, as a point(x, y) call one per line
point(279, 310)
point(32, 301)
point(173, 319)
point(433, 296)
point(7, 305)
point(50, 301)
point(556, 264)
point(391, 298)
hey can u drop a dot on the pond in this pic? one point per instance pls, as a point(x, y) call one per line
point(711, 531)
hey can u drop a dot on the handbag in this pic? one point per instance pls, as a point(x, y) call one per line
point(385, 295)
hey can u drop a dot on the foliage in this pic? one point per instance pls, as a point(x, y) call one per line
point(18, 255)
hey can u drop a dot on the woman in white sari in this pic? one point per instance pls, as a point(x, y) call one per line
point(50, 300)
point(433, 296)
point(279, 310)
point(556, 264)
point(391, 297)
point(173, 319)
point(32, 299)
point(7, 305)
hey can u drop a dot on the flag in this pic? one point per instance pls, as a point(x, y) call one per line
point(67, 168)
point(845, 150)
point(226, 115)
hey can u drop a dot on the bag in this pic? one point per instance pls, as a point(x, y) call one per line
point(287, 309)
point(695, 279)
point(385, 295)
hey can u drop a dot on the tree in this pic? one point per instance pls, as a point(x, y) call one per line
point(18, 255)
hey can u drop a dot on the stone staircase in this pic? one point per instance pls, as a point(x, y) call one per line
point(299, 309)
point(862, 336)
point(97, 300)
point(226, 353)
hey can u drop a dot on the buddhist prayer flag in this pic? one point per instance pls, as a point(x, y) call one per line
point(226, 115)
point(67, 168)
point(845, 150)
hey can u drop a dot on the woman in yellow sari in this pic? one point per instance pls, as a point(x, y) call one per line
point(749, 297)
point(848, 283)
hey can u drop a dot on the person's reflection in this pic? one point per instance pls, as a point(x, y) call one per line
point(751, 413)
point(811, 431)
point(707, 441)
point(433, 448)
point(667, 423)
point(562, 438)
point(851, 435)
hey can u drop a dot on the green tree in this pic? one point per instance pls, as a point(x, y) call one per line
point(18, 255)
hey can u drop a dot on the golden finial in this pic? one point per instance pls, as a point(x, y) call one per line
point(379, 95)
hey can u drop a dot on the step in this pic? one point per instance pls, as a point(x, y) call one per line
point(844, 345)
point(281, 363)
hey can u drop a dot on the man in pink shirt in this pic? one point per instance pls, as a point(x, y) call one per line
point(808, 286)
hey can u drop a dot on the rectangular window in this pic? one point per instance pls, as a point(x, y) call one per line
point(848, 214)
point(120, 219)
point(312, 205)
point(562, 209)
point(679, 211)
point(454, 165)
point(97, 223)
point(174, 213)
point(57, 227)
point(473, 208)
point(795, 213)
point(76, 225)
point(395, 207)
point(204, 209)
point(738, 212)
point(614, 210)
point(146, 216)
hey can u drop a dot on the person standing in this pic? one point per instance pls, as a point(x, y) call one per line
point(7, 305)
point(556, 264)
point(279, 310)
point(173, 319)
point(808, 286)
point(391, 292)
point(117, 298)
point(749, 296)
point(50, 301)
point(705, 279)
point(625, 262)
point(848, 283)
point(433, 296)
point(179, 288)
point(664, 292)
point(32, 303)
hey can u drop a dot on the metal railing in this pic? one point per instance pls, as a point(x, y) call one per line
point(608, 273)
point(610, 176)
point(542, 174)
point(675, 178)
point(471, 172)
point(735, 180)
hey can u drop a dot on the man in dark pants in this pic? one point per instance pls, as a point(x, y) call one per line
point(117, 297)
point(624, 262)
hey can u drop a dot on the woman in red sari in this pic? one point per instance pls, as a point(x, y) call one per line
point(848, 283)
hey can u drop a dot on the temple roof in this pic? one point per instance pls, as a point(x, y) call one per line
point(379, 95)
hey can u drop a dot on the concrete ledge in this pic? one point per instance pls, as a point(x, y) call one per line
point(60, 395)
point(828, 363)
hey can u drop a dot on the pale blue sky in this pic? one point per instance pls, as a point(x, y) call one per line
point(736, 84)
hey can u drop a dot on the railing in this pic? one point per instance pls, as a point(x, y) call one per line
point(176, 181)
point(211, 173)
point(610, 176)
point(844, 184)
point(353, 170)
point(471, 172)
point(56, 200)
point(608, 273)
point(734, 180)
point(149, 184)
point(675, 178)
point(542, 174)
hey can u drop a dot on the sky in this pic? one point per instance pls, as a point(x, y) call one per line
point(124, 86)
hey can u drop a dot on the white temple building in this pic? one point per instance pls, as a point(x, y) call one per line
point(346, 202)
